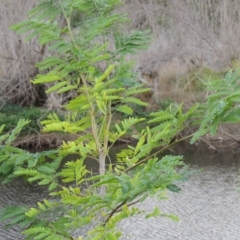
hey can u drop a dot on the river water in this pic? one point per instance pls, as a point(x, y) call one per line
point(208, 205)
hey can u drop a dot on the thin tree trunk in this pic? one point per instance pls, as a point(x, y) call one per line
point(102, 158)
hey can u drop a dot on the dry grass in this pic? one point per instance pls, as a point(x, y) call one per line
point(187, 35)
point(17, 58)
point(206, 29)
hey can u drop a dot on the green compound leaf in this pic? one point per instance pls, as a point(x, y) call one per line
point(125, 109)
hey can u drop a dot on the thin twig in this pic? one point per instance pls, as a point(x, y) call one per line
point(158, 152)
point(114, 211)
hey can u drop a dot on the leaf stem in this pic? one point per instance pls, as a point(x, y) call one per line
point(68, 25)
point(114, 211)
point(93, 118)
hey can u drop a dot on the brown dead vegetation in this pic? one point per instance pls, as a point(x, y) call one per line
point(37, 141)
point(188, 36)
point(17, 58)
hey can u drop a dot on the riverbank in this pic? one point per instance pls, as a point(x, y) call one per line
point(227, 138)
point(186, 52)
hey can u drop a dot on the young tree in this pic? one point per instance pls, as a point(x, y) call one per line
point(88, 56)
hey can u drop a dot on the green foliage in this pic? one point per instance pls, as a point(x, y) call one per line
point(10, 164)
point(10, 115)
point(77, 48)
point(83, 60)
point(198, 78)
point(222, 105)
point(173, 119)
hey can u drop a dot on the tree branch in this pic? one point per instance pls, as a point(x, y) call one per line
point(159, 151)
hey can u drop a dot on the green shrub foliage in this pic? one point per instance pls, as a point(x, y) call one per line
point(89, 49)
point(10, 115)
point(222, 105)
